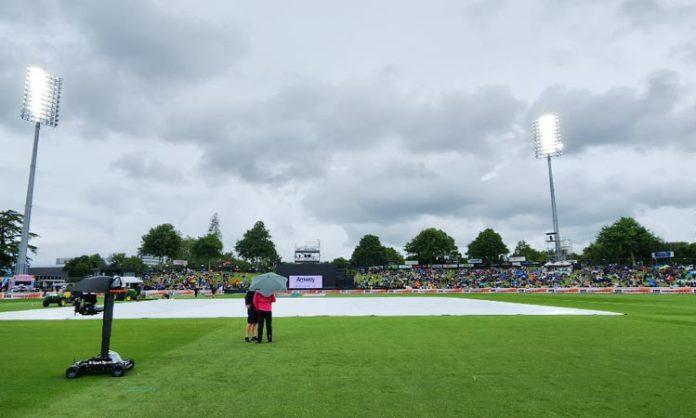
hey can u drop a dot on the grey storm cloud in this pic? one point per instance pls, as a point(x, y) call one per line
point(145, 169)
point(659, 115)
point(648, 13)
point(295, 133)
point(392, 193)
point(342, 120)
point(653, 116)
point(133, 57)
point(147, 40)
point(407, 188)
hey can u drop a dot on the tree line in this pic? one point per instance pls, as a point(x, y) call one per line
point(625, 241)
point(10, 237)
point(254, 251)
point(435, 246)
point(430, 246)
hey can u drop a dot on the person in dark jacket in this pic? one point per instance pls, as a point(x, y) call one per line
point(252, 317)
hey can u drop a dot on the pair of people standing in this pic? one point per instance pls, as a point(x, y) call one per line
point(259, 312)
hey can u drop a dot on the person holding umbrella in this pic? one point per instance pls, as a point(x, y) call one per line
point(265, 286)
point(264, 308)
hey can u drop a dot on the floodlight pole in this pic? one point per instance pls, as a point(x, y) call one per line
point(21, 267)
point(557, 237)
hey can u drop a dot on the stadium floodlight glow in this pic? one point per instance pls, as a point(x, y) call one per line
point(41, 97)
point(547, 138)
point(41, 103)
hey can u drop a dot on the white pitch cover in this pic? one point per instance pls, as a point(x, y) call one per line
point(304, 306)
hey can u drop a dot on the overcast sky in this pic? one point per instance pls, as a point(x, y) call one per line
point(330, 120)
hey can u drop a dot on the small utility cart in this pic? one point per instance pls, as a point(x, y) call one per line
point(60, 298)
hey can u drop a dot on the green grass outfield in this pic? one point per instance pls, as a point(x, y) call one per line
point(639, 364)
point(7, 305)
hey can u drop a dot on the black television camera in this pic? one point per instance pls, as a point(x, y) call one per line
point(106, 361)
point(86, 304)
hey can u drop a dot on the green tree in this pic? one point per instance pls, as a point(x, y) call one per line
point(214, 227)
point(392, 256)
point(186, 249)
point(78, 269)
point(593, 254)
point(207, 249)
point(530, 254)
point(132, 264)
point(683, 251)
point(84, 265)
point(369, 252)
point(572, 256)
point(488, 246)
point(233, 263)
point(432, 245)
point(341, 263)
point(161, 241)
point(116, 259)
point(625, 240)
point(257, 247)
point(10, 237)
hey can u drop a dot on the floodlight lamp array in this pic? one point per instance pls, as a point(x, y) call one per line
point(41, 97)
point(547, 136)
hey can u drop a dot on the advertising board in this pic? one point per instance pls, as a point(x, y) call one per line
point(306, 282)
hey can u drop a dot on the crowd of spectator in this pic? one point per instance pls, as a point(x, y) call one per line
point(421, 277)
point(527, 277)
point(189, 279)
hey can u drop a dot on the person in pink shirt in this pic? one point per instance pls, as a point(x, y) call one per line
point(264, 306)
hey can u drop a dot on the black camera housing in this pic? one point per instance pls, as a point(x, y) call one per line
point(86, 304)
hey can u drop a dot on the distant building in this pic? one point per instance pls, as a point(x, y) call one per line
point(48, 274)
point(63, 261)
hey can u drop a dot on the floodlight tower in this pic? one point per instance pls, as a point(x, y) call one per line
point(547, 137)
point(41, 102)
